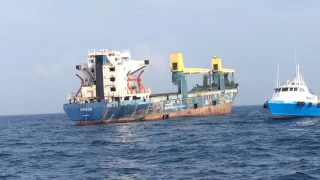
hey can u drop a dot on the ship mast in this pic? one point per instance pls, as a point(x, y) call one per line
point(297, 67)
point(298, 80)
point(277, 85)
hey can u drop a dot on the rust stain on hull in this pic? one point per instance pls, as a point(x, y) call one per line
point(219, 109)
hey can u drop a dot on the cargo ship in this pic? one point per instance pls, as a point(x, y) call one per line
point(112, 91)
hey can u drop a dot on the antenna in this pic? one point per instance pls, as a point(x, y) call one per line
point(295, 58)
point(297, 66)
point(277, 83)
point(298, 75)
point(278, 77)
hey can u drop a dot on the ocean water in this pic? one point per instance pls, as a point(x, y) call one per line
point(245, 144)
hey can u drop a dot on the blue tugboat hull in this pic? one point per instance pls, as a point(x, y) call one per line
point(291, 109)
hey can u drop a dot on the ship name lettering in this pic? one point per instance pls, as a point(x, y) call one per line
point(85, 109)
point(169, 106)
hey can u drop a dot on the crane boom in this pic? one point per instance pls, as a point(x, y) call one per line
point(177, 65)
point(195, 70)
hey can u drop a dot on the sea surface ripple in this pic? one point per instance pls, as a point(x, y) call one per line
point(245, 144)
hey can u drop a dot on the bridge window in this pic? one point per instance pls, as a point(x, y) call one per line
point(301, 90)
point(291, 89)
point(284, 89)
point(295, 89)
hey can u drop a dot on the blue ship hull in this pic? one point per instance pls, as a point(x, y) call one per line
point(284, 109)
point(102, 112)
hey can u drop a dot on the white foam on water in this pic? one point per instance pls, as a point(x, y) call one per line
point(307, 122)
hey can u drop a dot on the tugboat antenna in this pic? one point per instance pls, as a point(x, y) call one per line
point(295, 59)
point(278, 85)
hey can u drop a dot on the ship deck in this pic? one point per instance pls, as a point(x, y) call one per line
point(164, 94)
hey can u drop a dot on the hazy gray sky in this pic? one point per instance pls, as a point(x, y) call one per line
point(42, 41)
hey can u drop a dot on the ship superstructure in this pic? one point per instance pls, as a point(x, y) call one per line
point(109, 75)
point(112, 91)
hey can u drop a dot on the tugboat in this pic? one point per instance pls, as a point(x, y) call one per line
point(293, 99)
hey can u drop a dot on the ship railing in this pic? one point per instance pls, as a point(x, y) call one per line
point(87, 84)
point(84, 66)
point(142, 91)
point(71, 95)
point(145, 90)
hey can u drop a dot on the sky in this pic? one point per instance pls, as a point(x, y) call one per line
point(41, 42)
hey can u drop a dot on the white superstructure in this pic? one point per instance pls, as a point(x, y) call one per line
point(109, 75)
point(295, 90)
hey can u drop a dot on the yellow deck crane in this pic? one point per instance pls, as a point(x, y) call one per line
point(177, 65)
point(220, 75)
